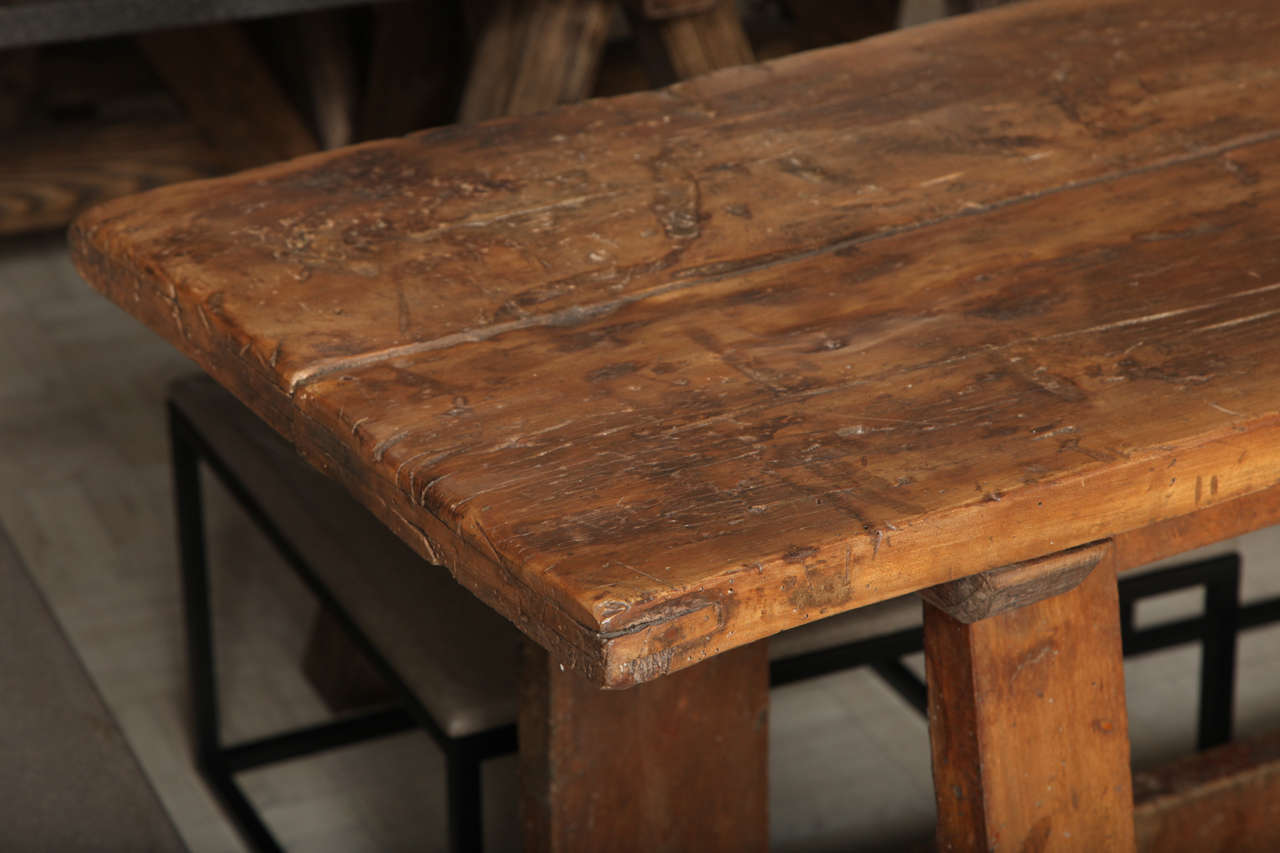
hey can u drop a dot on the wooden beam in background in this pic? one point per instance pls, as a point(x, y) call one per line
point(229, 93)
point(826, 22)
point(329, 74)
point(47, 178)
point(534, 54)
point(415, 68)
point(682, 47)
point(17, 84)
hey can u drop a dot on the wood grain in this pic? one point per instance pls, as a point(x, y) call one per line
point(48, 177)
point(1224, 800)
point(679, 764)
point(698, 42)
point(660, 375)
point(1028, 727)
point(533, 55)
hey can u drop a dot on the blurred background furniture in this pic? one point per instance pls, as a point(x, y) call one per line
point(99, 99)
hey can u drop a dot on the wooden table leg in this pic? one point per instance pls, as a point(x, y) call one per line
point(678, 763)
point(1028, 725)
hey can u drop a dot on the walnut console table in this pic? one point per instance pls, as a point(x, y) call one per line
point(988, 309)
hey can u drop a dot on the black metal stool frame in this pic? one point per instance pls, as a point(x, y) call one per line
point(218, 763)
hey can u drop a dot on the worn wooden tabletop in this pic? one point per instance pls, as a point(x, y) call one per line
point(661, 375)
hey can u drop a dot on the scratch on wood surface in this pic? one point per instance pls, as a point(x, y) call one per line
point(204, 320)
point(481, 222)
point(425, 546)
point(1033, 657)
point(381, 448)
point(519, 439)
point(422, 498)
point(484, 534)
point(941, 179)
point(403, 316)
point(416, 457)
point(1240, 321)
point(640, 572)
point(1175, 312)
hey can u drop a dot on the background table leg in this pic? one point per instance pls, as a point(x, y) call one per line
point(1028, 726)
point(679, 763)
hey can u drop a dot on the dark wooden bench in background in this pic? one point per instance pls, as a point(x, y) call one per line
point(170, 91)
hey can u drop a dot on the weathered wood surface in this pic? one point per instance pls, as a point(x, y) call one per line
point(664, 374)
point(679, 764)
point(330, 75)
point(1211, 523)
point(1224, 800)
point(1028, 727)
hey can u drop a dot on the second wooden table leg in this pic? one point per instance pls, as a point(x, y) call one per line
point(679, 763)
point(1028, 725)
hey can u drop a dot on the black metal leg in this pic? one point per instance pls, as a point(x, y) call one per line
point(210, 758)
point(218, 764)
point(195, 588)
point(1218, 654)
point(860, 653)
point(904, 682)
point(1216, 630)
point(242, 812)
point(466, 819)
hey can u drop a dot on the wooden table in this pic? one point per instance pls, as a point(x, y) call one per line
point(660, 376)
